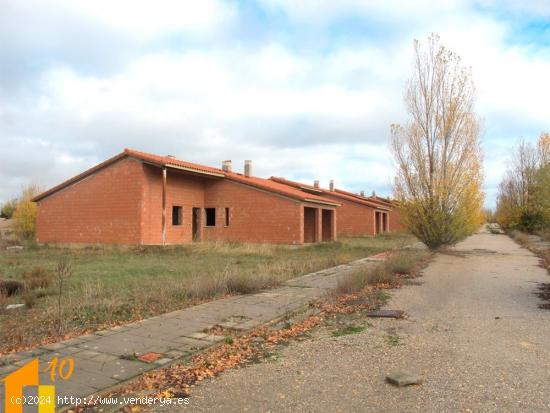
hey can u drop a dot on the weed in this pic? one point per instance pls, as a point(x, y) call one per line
point(62, 272)
point(393, 340)
point(348, 330)
point(545, 255)
point(520, 237)
point(404, 262)
point(38, 277)
point(3, 301)
point(383, 295)
point(29, 298)
point(228, 340)
point(363, 277)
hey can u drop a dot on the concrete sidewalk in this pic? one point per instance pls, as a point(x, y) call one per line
point(106, 358)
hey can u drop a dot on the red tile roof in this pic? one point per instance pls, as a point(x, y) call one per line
point(336, 193)
point(380, 202)
point(170, 162)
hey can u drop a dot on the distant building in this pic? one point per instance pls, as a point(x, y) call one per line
point(357, 215)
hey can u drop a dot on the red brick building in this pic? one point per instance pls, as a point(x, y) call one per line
point(395, 222)
point(357, 215)
point(140, 198)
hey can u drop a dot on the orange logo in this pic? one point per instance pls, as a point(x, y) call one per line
point(28, 375)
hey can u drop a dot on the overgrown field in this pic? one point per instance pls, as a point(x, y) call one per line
point(113, 286)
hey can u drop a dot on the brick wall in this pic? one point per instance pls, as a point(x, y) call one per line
point(103, 208)
point(122, 204)
point(255, 215)
point(183, 190)
point(353, 219)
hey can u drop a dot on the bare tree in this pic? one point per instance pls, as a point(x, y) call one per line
point(438, 154)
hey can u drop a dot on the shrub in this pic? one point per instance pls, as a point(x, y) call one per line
point(11, 287)
point(38, 277)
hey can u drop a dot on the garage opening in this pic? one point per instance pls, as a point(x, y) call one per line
point(385, 222)
point(327, 225)
point(309, 224)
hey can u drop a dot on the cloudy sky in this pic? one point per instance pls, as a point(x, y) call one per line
point(306, 89)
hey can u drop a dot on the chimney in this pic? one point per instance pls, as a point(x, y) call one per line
point(374, 194)
point(171, 156)
point(331, 185)
point(226, 165)
point(316, 184)
point(247, 168)
point(362, 193)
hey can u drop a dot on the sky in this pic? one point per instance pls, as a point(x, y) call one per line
point(305, 89)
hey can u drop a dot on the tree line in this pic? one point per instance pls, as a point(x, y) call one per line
point(523, 200)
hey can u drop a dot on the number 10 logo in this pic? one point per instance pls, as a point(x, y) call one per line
point(28, 375)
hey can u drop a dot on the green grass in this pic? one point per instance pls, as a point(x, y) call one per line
point(110, 286)
point(348, 330)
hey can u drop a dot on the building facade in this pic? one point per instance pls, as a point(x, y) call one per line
point(140, 198)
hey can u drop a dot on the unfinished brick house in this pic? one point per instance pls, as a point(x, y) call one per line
point(140, 198)
point(395, 221)
point(357, 215)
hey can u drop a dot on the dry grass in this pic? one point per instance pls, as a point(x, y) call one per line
point(359, 279)
point(545, 255)
point(389, 272)
point(111, 286)
point(3, 301)
point(38, 277)
point(520, 237)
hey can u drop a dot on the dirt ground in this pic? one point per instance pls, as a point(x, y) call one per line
point(474, 331)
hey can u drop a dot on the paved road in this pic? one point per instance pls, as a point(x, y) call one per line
point(475, 332)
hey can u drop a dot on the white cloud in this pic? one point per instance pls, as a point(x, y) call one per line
point(307, 114)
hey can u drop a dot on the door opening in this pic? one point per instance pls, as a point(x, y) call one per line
point(196, 224)
point(327, 225)
point(309, 224)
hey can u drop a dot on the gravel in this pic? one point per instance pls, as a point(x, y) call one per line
point(474, 332)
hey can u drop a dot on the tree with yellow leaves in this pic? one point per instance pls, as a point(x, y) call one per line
point(438, 155)
point(25, 213)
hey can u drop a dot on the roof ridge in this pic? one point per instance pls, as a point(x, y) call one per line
point(165, 161)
